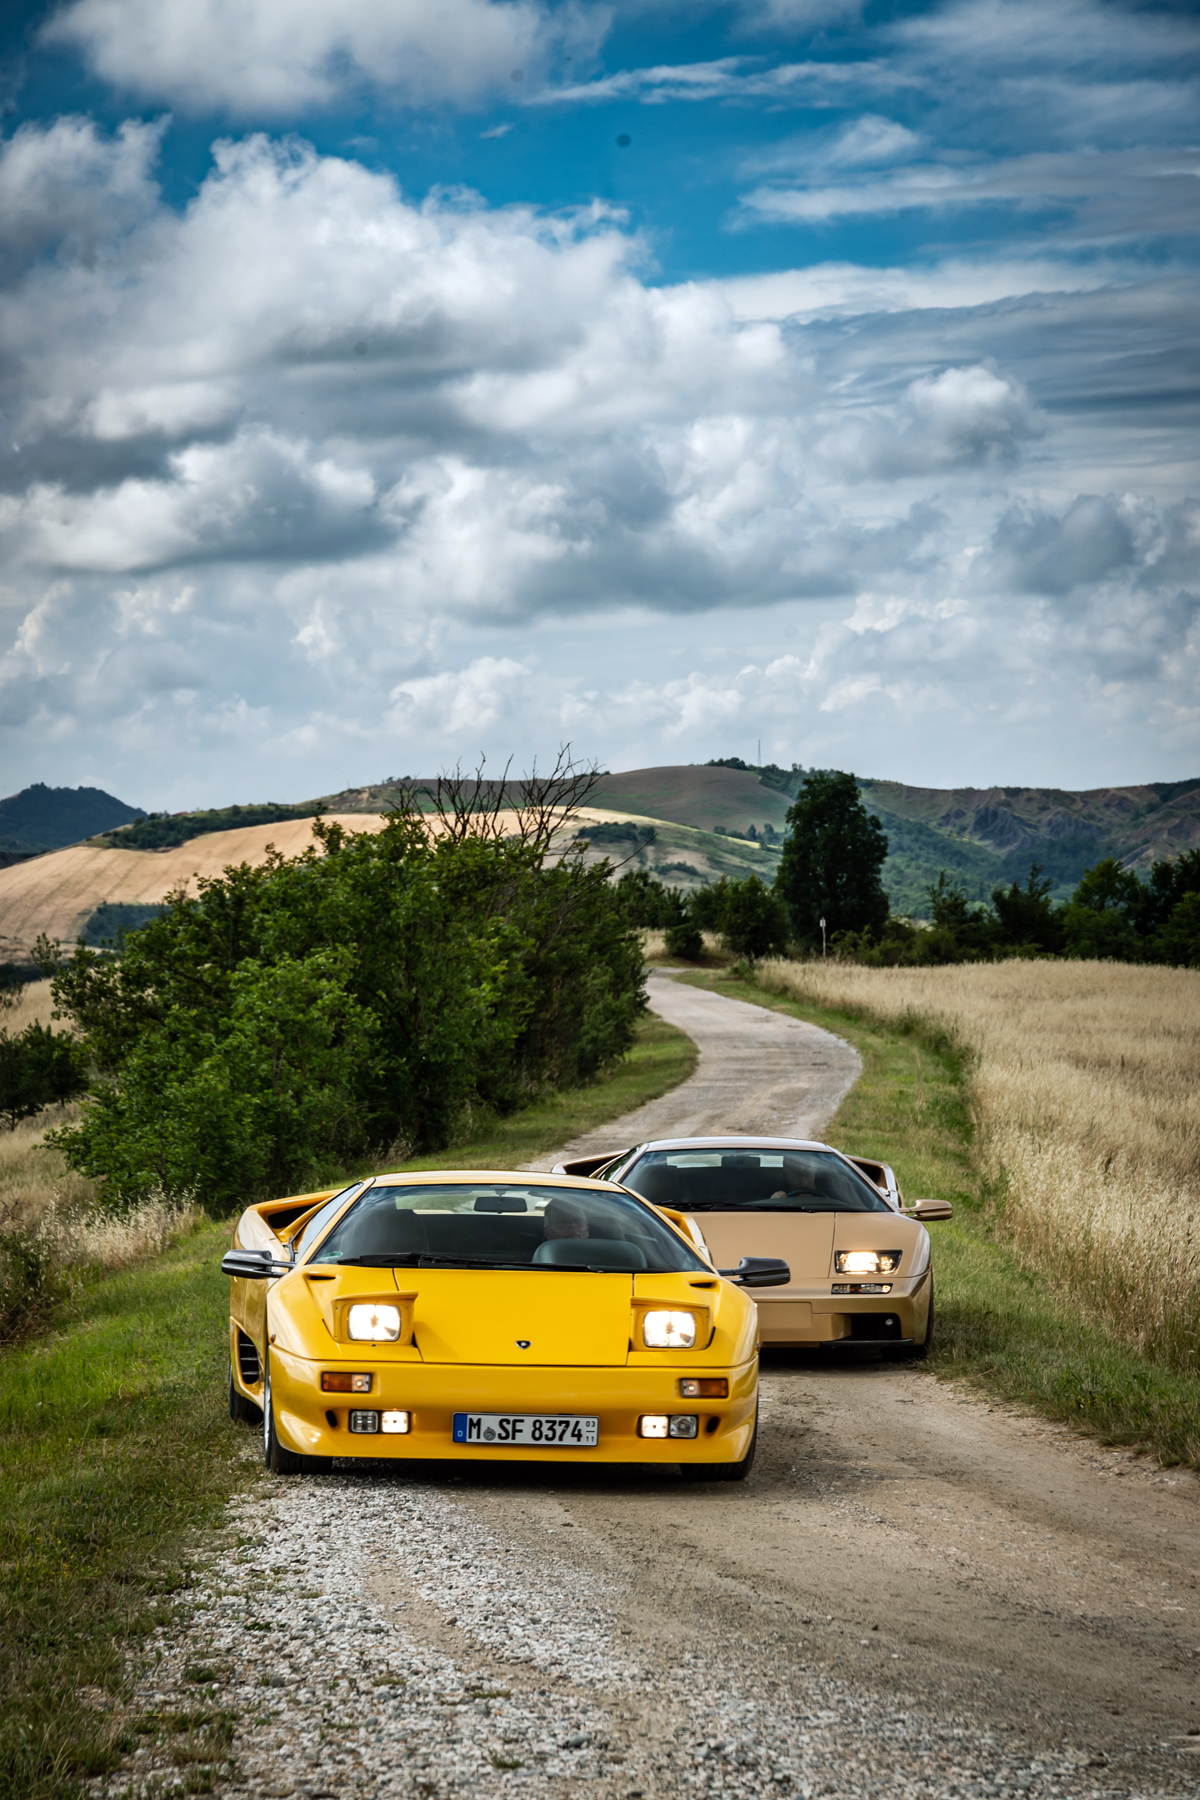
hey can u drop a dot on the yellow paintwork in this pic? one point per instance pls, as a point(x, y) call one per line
point(807, 1311)
point(458, 1349)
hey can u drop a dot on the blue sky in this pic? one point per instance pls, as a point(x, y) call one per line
point(384, 382)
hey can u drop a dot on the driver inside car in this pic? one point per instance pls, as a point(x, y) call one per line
point(564, 1219)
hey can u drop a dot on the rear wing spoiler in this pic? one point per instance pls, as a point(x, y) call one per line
point(585, 1165)
point(263, 1227)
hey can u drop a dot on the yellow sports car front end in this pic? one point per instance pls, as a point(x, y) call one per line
point(479, 1315)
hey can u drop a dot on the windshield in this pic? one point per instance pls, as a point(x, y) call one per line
point(752, 1181)
point(509, 1225)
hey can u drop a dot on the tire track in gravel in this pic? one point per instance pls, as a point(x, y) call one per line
point(914, 1595)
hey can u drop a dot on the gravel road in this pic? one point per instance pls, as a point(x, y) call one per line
point(915, 1594)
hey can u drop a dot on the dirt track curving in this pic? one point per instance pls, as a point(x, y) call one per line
point(914, 1594)
point(759, 1071)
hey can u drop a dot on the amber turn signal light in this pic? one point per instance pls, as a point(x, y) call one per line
point(711, 1388)
point(339, 1381)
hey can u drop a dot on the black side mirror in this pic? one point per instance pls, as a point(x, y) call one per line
point(759, 1271)
point(252, 1265)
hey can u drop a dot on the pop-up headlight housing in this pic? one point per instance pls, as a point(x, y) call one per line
point(867, 1262)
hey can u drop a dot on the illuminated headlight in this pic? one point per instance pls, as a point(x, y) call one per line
point(373, 1324)
point(867, 1262)
point(668, 1330)
point(653, 1425)
point(394, 1422)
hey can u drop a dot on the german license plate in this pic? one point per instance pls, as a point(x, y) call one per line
point(543, 1430)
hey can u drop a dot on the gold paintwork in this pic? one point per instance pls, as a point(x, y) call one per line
point(807, 1311)
point(458, 1348)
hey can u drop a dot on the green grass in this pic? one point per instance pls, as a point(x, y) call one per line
point(116, 1454)
point(1001, 1327)
point(114, 1449)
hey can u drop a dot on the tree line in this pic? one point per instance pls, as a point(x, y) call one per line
point(831, 870)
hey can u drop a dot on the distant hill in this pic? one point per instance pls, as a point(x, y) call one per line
point(983, 836)
point(686, 823)
point(46, 818)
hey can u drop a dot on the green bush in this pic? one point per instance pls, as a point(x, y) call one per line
point(39, 1067)
point(684, 939)
point(353, 999)
point(31, 1282)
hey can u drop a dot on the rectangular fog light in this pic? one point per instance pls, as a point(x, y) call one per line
point(653, 1425)
point(709, 1389)
point(364, 1421)
point(394, 1422)
point(340, 1381)
point(684, 1425)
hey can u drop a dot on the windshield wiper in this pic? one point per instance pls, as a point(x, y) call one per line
point(426, 1259)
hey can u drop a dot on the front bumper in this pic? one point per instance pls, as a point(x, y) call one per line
point(314, 1423)
point(813, 1315)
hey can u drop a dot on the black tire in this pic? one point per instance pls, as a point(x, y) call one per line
point(278, 1460)
point(918, 1352)
point(737, 1471)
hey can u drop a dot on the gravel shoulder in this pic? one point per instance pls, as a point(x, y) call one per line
point(914, 1594)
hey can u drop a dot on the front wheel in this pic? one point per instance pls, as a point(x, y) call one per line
point(279, 1460)
point(737, 1471)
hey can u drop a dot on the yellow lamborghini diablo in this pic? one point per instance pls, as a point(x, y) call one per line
point(482, 1314)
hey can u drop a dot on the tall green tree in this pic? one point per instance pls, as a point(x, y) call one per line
point(832, 860)
point(1099, 920)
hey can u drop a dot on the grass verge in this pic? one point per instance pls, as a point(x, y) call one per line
point(116, 1452)
point(114, 1448)
point(1001, 1327)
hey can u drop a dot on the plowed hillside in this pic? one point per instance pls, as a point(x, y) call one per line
point(59, 893)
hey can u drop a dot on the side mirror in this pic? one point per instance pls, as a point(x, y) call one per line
point(252, 1265)
point(759, 1271)
point(925, 1210)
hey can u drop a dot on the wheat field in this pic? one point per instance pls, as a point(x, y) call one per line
point(1085, 1084)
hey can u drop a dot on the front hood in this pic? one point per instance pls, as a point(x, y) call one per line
point(474, 1316)
point(565, 1318)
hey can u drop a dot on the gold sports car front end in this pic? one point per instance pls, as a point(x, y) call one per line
point(860, 1258)
point(481, 1314)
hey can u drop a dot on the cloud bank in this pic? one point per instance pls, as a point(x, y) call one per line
point(309, 477)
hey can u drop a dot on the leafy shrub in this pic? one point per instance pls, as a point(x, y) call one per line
point(684, 939)
point(752, 920)
point(357, 997)
point(31, 1281)
point(39, 1067)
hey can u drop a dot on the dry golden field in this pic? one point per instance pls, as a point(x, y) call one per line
point(57, 894)
point(34, 1180)
point(1085, 1082)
